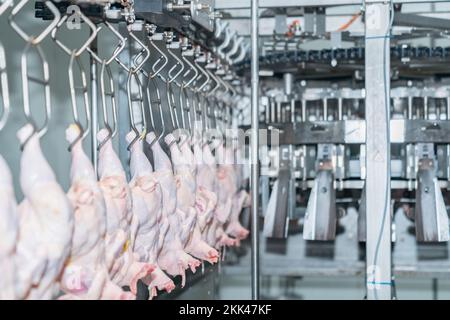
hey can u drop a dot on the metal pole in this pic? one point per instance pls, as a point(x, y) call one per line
point(94, 105)
point(254, 151)
point(378, 189)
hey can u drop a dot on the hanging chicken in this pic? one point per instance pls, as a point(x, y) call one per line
point(45, 224)
point(149, 225)
point(241, 200)
point(186, 200)
point(86, 274)
point(125, 268)
point(172, 259)
point(205, 197)
point(225, 189)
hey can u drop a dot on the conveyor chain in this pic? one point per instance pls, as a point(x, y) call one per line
point(351, 55)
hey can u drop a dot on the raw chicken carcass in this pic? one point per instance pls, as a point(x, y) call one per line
point(234, 227)
point(124, 266)
point(147, 208)
point(225, 189)
point(86, 275)
point(8, 232)
point(172, 258)
point(206, 199)
point(194, 204)
point(45, 227)
point(240, 200)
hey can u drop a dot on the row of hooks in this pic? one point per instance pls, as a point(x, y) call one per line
point(197, 75)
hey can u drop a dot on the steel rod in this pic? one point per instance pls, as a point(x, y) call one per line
point(254, 152)
point(94, 105)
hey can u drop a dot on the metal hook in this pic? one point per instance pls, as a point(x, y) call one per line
point(224, 85)
point(4, 5)
point(73, 96)
point(34, 40)
point(179, 63)
point(169, 90)
point(4, 90)
point(45, 82)
point(152, 81)
point(170, 95)
point(242, 53)
point(93, 35)
point(208, 78)
point(118, 50)
point(233, 50)
point(217, 86)
point(103, 94)
point(139, 135)
point(225, 43)
point(162, 57)
point(191, 68)
point(197, 108)
point(135, 68)
point(184, 95)
point(220, 27)
point(171, 102)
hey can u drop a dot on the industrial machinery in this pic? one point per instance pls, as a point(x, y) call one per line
point(338, 112)
point(354, 107)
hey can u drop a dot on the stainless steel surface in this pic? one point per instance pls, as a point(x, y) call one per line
point(245, 4)
point(276, 217)
point(255, 151)
point(378, 201)
point(202, 12)
point(321, 216)
point(354, 131)
point(430, 213)
point(413, 20)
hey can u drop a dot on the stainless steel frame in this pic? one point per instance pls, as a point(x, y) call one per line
point(254, 182)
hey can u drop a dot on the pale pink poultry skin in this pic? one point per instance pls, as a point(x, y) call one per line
point(45, 224)
point(184, 166)
point(206, 198)
point(8, 232)
point(234, 227)
point(124, 266)
point(241, 199)
point(206, 176)
point(205, 203)
point(147, 207)
point(225, 190)
point(172, 258)
point(86, 275)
